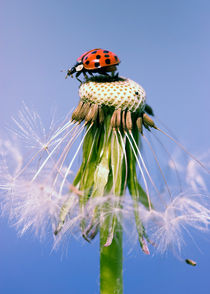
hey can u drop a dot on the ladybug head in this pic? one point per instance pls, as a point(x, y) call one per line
point(77, 68)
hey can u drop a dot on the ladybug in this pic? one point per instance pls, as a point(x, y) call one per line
point(94, 61)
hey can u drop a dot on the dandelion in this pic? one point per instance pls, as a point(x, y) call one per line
point(110, 124)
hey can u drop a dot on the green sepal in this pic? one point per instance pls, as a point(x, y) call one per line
point(118, 164)
point(93, 143)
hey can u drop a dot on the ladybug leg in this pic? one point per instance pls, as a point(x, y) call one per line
point(105, 74)
point(115, 75)
point(77, 74)
point(85, 75)
point(103, 71)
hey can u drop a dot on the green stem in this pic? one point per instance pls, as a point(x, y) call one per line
point(111, 262)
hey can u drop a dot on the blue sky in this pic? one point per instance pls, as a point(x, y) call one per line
point(164, 46)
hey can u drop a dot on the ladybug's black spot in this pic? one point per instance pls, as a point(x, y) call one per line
point(107, 61)
point(98, 56)
point(106, 55)
point(97, 64)
point(86, 57)
point(94, 52)
point(87, 62)
point(116, 58)
point(106, 51)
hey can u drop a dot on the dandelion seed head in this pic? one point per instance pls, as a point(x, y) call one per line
point(123, 93)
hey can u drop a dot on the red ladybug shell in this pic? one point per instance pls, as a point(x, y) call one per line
point(97, 58)
point(79, 59)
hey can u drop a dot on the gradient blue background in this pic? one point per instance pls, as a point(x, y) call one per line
point(163, 45)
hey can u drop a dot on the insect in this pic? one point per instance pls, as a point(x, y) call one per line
point(94, 61)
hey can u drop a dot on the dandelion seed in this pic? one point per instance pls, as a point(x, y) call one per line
point(190, 262)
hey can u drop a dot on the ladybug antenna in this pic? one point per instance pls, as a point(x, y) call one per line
point(70, 72)
point(67, 71)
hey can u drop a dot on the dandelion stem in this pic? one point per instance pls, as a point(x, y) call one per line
point(111, 262)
